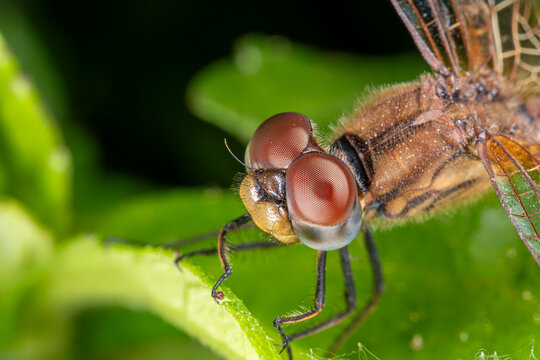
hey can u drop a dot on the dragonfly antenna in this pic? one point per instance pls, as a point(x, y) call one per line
point(234, 156)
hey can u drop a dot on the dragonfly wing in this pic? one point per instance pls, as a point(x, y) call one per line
point(465, 35)
point(515, 175)
point(517, 42)
point(451, 34)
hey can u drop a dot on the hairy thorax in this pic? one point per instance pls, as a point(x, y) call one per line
point(416, 142)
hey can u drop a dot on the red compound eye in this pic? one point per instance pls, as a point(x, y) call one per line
point(320, 189)
point(322, 199)
point(278, 141)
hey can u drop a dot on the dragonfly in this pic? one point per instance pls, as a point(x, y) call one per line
point(406, 152)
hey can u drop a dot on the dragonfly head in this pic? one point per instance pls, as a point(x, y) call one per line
point(295, 190)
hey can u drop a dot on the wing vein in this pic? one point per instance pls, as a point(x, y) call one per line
point(444, 34)
point(485, 159)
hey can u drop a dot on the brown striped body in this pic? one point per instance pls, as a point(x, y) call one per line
point(418, 149)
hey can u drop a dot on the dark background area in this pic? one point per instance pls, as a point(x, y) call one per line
point(125, 66)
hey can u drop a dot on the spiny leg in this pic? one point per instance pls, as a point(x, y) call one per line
point(232, 248)
point(231, 225)
point(113, 240)
point(350, 298)
point(222, 250)
point(190, 240)
point(319, 303)
point(378, 289)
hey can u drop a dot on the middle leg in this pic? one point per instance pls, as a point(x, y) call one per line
point(350, 299)
point(320, 294)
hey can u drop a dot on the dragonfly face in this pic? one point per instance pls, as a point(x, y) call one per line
point(295, 190)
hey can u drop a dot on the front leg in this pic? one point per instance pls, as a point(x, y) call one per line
point(378, 289)
point(223, 250)
point(319, 303)
point(350, 299)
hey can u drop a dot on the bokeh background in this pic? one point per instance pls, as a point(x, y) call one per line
point(124, 81)
point(120, 70)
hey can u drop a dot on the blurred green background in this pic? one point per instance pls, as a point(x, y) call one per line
point(112, 120)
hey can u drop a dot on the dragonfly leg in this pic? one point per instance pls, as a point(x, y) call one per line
point(378, 290)
point(232, 248)
point(223, 250)
point(319, 304)
point(350, 299)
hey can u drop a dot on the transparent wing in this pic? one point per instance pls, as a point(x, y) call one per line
point(451, 34)
point(516, 42)
point(515, 175)
point(465, 35)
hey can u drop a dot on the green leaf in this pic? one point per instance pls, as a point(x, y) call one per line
point(25, 249)
point(455, 284)
point(23, 243)
point(35, 58)
point(131, 334)
point(35, 166)
point(268, 75)
point(86, 273)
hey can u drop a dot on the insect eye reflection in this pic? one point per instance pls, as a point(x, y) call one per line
point(322, 199)
point(278, 141)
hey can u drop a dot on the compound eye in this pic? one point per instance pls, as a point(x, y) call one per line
point(278, 141)
point(322, 199)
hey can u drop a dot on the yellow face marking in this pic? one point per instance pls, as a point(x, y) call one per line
point(268, 216)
